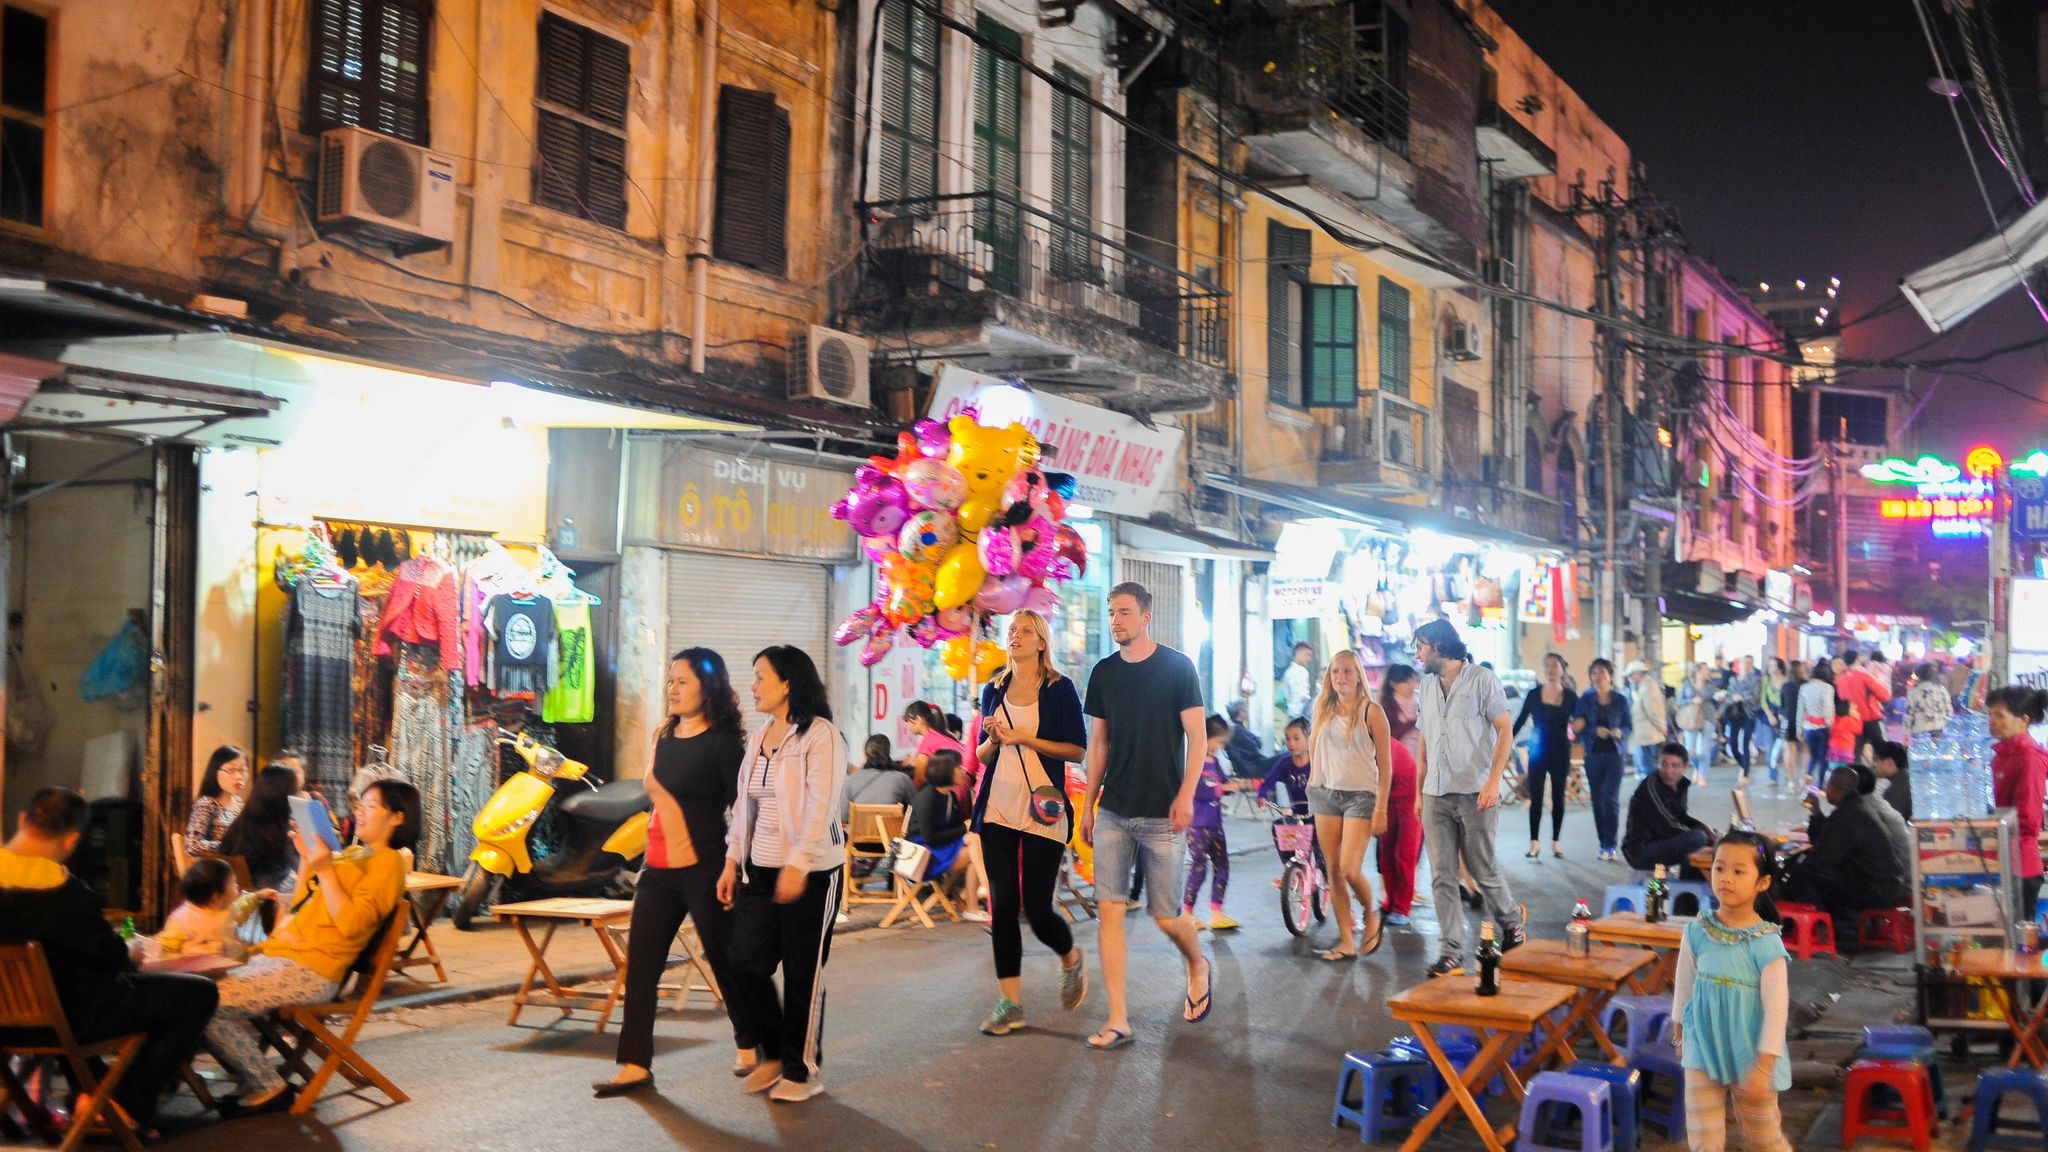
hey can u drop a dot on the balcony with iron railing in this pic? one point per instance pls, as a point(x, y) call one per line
point(980, 267)
point(1316, 57)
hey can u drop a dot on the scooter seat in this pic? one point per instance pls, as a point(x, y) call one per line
point(609, 805)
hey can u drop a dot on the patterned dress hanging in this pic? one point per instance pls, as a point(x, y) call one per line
point(321, 626)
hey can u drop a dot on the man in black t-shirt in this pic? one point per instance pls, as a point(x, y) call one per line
point(1146, 741)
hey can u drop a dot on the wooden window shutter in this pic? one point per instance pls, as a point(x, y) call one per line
point(752, 224)
point(909, 168)
point(1329, 362)
point(998, 152)
point(1073, 176)
point(1395, 363)
point(583, 95)
point(368, 66)
point(1287, 264)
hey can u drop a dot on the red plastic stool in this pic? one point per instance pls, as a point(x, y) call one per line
point(1808, 930)
point(1913, 1120)
point(1885, 928)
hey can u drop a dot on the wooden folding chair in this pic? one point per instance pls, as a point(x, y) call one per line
point(303, 1028)
point(1069, 894)
point(178, 855)
point(33, 1022)
point(696, 973)
point(918, 899)
point(870, 829)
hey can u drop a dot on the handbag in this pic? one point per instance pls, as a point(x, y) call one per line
point(1048, 804)
point(912, 860)
point(1690, 717)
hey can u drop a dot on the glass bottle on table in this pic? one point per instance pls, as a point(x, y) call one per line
point(1489, 961)
point(1653, 896)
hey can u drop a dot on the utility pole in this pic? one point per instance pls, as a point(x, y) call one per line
point(1841, 530)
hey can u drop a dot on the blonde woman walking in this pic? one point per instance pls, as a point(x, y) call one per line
point(1349, 771)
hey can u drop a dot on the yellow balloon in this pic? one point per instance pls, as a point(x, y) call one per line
point(989, 658)
point(987, 458)
point(957, 654)
point(960, 576)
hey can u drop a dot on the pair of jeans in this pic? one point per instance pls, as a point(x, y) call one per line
point(1817, 754)
point(1737, 727)
point(796, 938)
point(1022, 867)
point(1603, 784)
point(170, 1011)
point(1671, 851)
point(661, 899)
point(1557, 767)
point(1646, 758)
point(1146, 845)
point(1454, 827)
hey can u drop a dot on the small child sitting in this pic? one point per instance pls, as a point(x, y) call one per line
point(212, 914)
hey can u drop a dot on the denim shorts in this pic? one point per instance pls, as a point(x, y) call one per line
point(1124, 843)
point(1352, 805)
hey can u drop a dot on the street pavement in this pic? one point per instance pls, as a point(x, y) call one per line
point(906, 1068)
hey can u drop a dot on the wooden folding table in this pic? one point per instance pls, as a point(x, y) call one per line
point(426, 892)
point(1502, 1021)
point(597, 915)
point(1663, 937)
point(2003, 970)
point(1597, 976)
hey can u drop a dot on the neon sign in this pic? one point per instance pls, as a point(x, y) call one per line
point(1926, 470)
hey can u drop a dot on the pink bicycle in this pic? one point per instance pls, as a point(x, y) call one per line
point(1304, 886)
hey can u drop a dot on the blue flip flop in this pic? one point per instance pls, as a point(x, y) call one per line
point(1118, 1039)
point(1208, 995)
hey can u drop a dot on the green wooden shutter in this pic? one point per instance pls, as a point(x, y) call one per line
point(998, 153)
point(1395, 364)
point(909, 168)
point(1073, 178)
point(1329, 360)
point(752, 223)
point(1287, 262)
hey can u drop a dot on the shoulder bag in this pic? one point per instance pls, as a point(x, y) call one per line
point(912, 859)
point(1048, 804)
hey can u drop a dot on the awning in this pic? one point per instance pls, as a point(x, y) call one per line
point(105, 403)
point(1693, 608)
point(1381, 515)
point(1171, 537)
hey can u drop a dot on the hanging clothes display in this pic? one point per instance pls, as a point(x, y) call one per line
point(471, 782)
point(573, 699)
point(320, 634)
point(520, 656)
point(423, 744)
point(424, 607)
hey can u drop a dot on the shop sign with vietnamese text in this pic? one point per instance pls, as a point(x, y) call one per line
point(732, 500)
point(1118, 464)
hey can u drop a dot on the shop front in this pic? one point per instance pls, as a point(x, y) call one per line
point(730, 544)
point(1347, 575)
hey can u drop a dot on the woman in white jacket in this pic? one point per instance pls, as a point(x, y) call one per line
point(784, 855)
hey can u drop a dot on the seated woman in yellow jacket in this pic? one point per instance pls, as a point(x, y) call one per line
point(336, 909)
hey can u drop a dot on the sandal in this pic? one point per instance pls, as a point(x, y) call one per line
point(1373, 938)
point(1118, 1038)
point(1206, 1000)
point(1335, 954)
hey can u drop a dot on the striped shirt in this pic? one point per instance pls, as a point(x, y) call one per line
point(766, 840)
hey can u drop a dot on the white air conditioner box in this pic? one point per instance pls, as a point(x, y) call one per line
point(400, 192)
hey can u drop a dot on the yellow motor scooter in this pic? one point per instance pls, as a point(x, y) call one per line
point(536, 838)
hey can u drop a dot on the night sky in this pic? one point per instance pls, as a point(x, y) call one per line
point(1800, 139)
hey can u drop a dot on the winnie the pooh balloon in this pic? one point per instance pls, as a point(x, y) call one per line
point(987, 457)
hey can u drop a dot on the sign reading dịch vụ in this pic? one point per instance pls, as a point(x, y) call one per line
point(735, 500)
point(1119, 465)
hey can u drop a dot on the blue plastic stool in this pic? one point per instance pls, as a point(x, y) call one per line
point(1394, 1091)
point(1988, 1131)
point(1622, 898)
point(1545, 1129)
point(1461, 1047)
point(1624, 1082)
point(1907, 1042)
point(1661, 1091)
point(1702, 896)
point(1640, 875)
point(1642, 1016)
point(2041, 907)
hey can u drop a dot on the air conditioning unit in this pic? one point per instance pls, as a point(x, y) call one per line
point(397, 192)
point(1464, 342)
point(825, 364)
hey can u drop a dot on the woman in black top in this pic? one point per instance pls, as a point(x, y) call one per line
point(1550, 705)
point(1602, 724)
point(262, 834)
point(695, 776)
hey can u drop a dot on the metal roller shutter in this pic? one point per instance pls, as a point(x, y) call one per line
point(736, 607)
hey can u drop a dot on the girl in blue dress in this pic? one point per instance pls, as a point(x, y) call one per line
point(1730, 1002)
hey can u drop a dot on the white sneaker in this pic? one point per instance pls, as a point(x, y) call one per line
point(765, 1076)
point(796, 1091)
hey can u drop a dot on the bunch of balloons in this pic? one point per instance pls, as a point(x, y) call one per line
point(962, 526)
